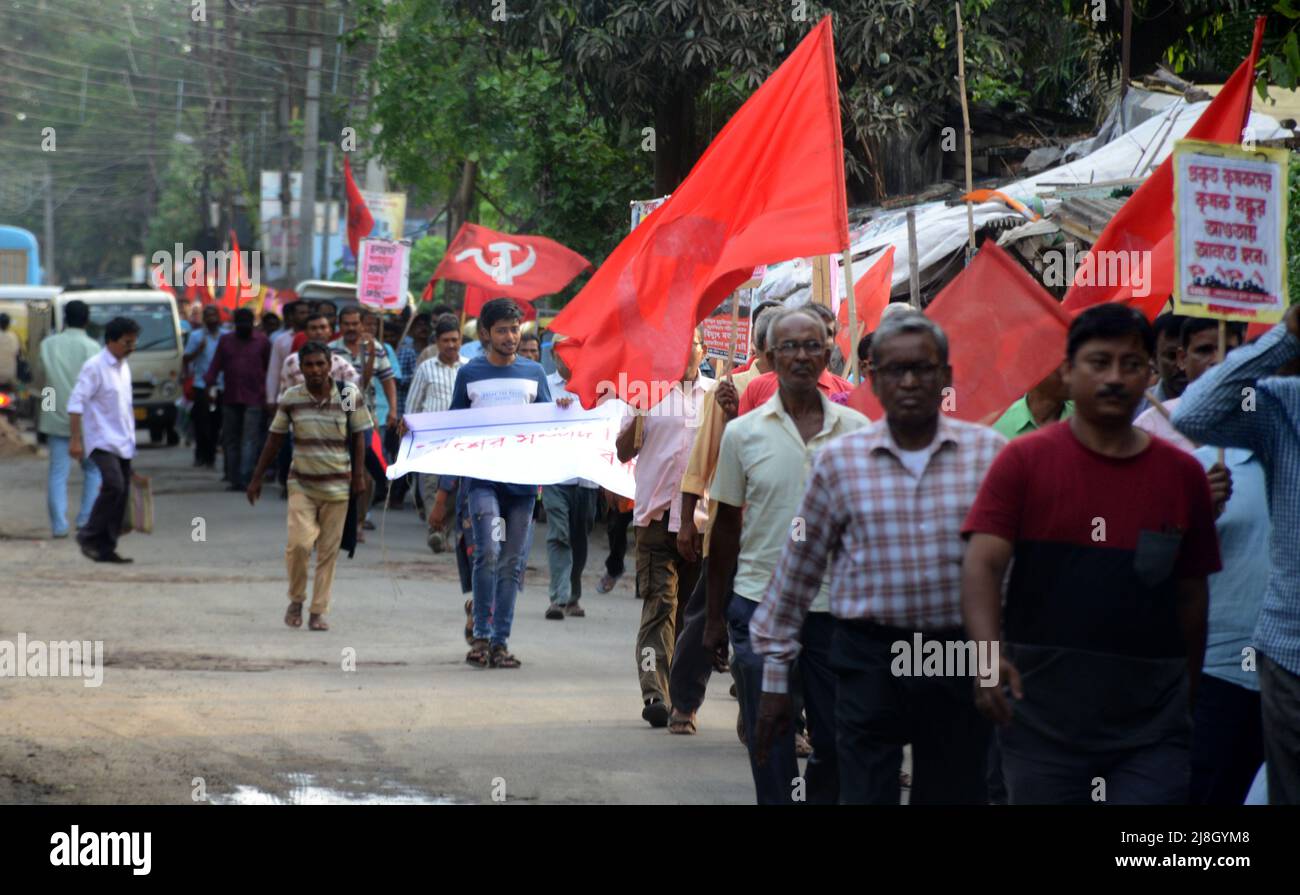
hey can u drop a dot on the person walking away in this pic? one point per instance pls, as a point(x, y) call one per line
point(241, 359)
point(328, 422)
point(62, 357)
point(103, 429)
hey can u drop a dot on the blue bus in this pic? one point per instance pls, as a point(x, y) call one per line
point(20, 257)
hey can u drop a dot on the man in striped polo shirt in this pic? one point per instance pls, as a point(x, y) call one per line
point(328, 461)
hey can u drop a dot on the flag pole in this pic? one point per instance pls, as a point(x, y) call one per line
point(1223, 352)
point(852, 299)
point(965, 120)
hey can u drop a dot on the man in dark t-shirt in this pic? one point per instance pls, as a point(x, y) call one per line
point(1112, 533)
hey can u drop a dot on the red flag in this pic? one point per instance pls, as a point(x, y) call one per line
point(871, 292)
point(770, 187)
point(475, 298)
point(1146, 222)
point(1005, 333)
point(508, 266)
point(233, 290)
point(360, 220)
point(196, 283)
point(160, 281)
point(377, 445)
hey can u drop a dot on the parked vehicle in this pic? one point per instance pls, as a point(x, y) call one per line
point(20, 257)
point(31, 318)
point(157, 362)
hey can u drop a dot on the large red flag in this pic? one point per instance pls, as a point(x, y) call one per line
point(475, 298)
point(770, 187)
point(871, 292)
point(1146, 222)
point(360, 220)
point(508, 266)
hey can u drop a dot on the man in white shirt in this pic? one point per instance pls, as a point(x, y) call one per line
point(103, 429)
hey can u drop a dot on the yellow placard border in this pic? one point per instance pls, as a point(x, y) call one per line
point(1279, 157)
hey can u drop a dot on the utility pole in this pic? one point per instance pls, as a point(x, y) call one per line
point(310, 141)
point(1125, 59)
point(329, 161)
point(50, 277)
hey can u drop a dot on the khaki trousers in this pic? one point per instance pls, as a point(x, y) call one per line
point(313, 524)
point(661, 575)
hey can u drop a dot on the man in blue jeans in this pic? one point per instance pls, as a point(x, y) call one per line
point(62, 357)
point(501, 513)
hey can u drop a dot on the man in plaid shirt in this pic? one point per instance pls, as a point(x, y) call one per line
point(883, 515)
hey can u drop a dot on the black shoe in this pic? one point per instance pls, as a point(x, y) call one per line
point(555, 612)
point(90, 552)
point(115, 558)
point(656, 712)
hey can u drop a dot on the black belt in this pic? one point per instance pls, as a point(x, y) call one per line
point(890, 634)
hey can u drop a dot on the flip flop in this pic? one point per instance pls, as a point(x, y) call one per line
point(293, 615)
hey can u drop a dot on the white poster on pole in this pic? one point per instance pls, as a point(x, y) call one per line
point(382, 273)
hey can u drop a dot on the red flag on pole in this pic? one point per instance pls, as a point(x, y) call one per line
point(1145, 224)
point(230, 296)
point(871, 292)
point(360, 220)
point(770, 187)
point(160, 281)
point(508, 266)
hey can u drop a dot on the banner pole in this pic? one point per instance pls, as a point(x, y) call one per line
point(965, 120)
point(852, 299)
point(1223, 352)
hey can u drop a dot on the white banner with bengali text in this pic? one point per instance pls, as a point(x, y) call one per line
point(527, 444)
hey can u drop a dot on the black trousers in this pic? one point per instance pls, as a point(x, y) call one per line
point(616, 527)
point(817, 682)
point(1227, 742)
point(101, 532)
point(878, 712)
point(207, 426)
point(688, 676)
point(376, 470)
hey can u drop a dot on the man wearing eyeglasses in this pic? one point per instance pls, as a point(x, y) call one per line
point(883, 510)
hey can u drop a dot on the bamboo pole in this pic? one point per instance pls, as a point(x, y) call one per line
point(913, 263)
point(965, 120)
point(852, 299)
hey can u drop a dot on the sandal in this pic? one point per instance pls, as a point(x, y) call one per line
point(478, 654)
point(469, 621)
point(293, 615)
point(681, 724)
point(802, 746)
point(317, 622)
point(502, 658)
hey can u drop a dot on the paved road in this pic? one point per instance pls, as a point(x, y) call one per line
point(202, 680)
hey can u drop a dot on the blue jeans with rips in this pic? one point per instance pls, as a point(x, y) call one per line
point(501, 525)
point(57, 486)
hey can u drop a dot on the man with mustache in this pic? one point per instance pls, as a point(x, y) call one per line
point(1112, 532)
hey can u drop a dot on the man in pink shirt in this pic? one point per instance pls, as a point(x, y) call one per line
point(661, 441)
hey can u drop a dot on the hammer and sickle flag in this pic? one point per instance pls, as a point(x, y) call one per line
point(506, 266)
point(770, 187)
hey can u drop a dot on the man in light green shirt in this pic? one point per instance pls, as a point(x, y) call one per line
point(763, 466)
point(1044, 404)
point(62, 357)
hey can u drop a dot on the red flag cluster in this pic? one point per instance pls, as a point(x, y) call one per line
point(360, 220)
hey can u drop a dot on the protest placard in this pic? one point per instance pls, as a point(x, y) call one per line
point(1230, 210)
point(382, 273)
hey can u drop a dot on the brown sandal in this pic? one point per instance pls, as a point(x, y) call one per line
point(681, 723)
point(469, 621)
point(478, 654)
point(502, 658)
point(317, 622)
point(293, 615)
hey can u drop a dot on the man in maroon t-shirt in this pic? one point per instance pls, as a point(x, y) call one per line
point(243, 356)
point(1112, 533)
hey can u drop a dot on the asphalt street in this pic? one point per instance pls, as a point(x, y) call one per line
point(208, 697)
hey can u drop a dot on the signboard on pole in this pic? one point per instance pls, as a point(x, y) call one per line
point(389, 211)
point(642, 207)
point(1230, 211)
point(382, 273)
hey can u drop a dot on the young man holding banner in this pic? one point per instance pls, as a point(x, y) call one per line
point(501, 512)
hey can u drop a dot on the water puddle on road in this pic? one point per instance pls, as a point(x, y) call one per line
point(305, 789)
